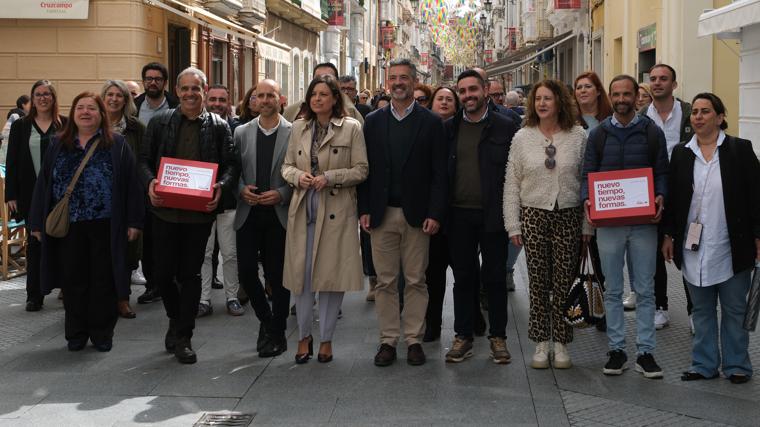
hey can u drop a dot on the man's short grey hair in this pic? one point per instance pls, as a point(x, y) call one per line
point(512, 98)
point(193, 71)
point(347, 79)
point(406, 62)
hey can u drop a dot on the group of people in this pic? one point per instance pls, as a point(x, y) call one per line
point(328, 190)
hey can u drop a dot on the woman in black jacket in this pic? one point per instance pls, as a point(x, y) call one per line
point(106, 209)
point(712, 231)
point(27, 144)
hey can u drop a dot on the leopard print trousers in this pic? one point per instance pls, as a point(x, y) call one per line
point(551, 240)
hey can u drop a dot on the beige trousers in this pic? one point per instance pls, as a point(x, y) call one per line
point(393, 241)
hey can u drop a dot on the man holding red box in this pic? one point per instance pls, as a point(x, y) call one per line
point(628, 141)
point(191, 133)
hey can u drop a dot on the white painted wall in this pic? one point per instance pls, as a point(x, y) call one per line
point(749, 85)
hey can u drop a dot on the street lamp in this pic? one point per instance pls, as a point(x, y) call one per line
point(483, 21)
point(488, 4)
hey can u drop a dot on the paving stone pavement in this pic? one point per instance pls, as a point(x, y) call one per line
point(41, 384)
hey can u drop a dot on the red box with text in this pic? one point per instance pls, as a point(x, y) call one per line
point(622, 197)
point(186, 184)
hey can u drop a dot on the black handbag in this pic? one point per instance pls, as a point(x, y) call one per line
point(584, 305)
point(753, 302)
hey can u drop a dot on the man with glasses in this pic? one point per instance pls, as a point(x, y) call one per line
point(155, 99)
point(348, 87)
point(479, 142)
point(496, 92)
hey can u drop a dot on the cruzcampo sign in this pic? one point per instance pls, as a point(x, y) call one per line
point(648, 38)
point(44, 9)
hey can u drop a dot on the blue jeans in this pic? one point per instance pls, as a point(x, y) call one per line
point(641, 242)
point(514, 252)
point(734, 340)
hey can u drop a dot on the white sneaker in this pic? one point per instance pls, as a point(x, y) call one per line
point(138, 278)
point(561, 357)
point(629, 302)
point(541, 356)
point(691, 324)
point(661, 319)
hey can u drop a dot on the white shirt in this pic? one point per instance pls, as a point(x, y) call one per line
point(712, 263)
point(401, 115)
point(671, 126)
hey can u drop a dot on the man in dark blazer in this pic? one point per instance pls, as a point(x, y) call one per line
point(262, 214)
point(402, 203)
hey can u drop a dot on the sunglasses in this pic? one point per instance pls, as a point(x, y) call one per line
point(422, 98)
point(550, 151)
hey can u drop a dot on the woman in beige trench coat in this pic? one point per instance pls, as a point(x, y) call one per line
point(325, 161)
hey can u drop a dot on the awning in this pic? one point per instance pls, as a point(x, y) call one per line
point(518, 60)
point(208, 19)
point(735, 15)
point(273, 50)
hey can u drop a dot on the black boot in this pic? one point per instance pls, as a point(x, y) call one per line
point(275, 346)
point(263, 338)
point(184, 351)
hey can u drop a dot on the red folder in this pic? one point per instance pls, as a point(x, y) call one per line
point(622, 197)
point(186, 184)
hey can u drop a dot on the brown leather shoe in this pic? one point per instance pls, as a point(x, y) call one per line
point(415, 356)
point(125, 310)
point(386, 355)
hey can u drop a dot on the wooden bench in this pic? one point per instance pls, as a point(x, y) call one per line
point(13, 244)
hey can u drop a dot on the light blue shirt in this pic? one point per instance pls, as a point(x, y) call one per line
point(467, 119)
point(405, 113)
point(146, 113)
point(617, 123)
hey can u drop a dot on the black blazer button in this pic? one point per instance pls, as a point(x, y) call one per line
point(332, 216)
point(335, 151)
point(299, 152)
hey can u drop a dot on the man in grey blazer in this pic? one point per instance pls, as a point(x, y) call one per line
point(262, 215)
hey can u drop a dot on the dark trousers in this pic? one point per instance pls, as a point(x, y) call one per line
point(438, 263)
point(87, 281)
point(466, 234)
point(179, 250)
point(148, 264)
point(33, 249)
point(263, 232)
point(366, 245)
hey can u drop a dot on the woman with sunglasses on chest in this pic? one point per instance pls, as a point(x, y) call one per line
point(542, 210)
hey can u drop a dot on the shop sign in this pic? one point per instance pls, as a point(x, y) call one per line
point(388, 35)
point(44, 9)
point(567, 4)
point(488, 56)
point(336, 13)
point(647, 38)
point(512, 38)
point(424, 58)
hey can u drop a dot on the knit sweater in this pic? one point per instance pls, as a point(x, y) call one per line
point(530, 183)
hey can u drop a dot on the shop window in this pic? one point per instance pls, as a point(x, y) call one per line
point(270, 69)
point(219, 63)
point(285, 78)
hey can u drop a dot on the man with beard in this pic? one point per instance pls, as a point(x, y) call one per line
point(401, 204)
point(187, 132)
point(628, 141)
point(262, 215)
point(222, 238)
point(479, 142)
point(672, 116)
point(155, 99)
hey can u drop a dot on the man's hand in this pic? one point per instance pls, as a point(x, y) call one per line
point(248, 194)
point(659, 201)
point(12, 206)
point(133, 234)
point(587, 211)
point(211, 206)
point(430, 226)
point(304, 181)
point(37, 235)
point(667, 248)
point(364, 223)
point(587, 237)
point(269, 198)
point(155, 199)
point(517, 240)
point(319, 182)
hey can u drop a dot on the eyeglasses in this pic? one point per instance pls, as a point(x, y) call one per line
point(496, 94)
point(550, 151)
point(422, 98)
point(153, 79)
point(43, 95)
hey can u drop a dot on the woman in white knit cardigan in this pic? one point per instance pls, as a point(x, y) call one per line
point(542, 210)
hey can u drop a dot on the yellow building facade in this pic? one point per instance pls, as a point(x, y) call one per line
point(629, 36)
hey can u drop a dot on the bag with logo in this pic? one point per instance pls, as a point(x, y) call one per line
point(584, 305)
point(57, 222)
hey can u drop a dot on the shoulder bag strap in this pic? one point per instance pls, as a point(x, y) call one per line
point(86, 159)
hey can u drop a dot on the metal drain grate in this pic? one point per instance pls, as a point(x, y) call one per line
point(234, 419)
